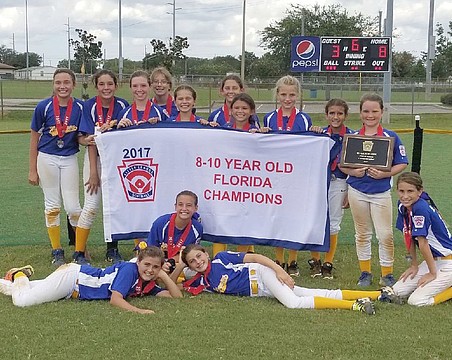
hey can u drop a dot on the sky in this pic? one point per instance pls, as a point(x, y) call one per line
point(213, 27)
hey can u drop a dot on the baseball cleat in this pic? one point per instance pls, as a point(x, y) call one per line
point(387, 280)
point(293, 269)
point(113, 256)
point(365, 279)
point(27, 270)
point(364, 305)
point(79, 258)
point(58, 257)
point(316, 268)
point(388, 295)
point(327, 269)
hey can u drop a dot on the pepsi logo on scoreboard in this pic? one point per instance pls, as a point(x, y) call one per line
point(305, 54)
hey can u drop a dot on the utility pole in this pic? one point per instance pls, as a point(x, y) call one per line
point(68, 44)
point(430, 53)
point(14, 44)
point(387, 75)
point(242, 63)
point(121, 60)
point(173, 4)
point(26, 39)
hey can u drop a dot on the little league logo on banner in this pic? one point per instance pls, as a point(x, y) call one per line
point(138, 179)
point(263, 189)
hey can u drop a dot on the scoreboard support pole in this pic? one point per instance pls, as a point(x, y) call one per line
point(388, 75)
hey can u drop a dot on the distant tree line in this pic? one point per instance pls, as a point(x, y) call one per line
point(331, 20)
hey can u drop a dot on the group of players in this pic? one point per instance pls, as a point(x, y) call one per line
point(61, 123)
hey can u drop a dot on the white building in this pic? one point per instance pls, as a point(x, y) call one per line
point(6, 71)
point(35, 73)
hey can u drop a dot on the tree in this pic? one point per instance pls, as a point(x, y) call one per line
point(87, 51)
point(402, 64)
point(166, 55)
point(442, 64)
point(331, 20)
point(18, 60)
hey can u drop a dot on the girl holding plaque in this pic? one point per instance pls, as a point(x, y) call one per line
point(53, 156)
point(287, 118)
point(369, 196)
point(100, 113)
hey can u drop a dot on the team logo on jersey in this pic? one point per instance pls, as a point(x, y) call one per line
point(138, 177)
point(221, 288)
point(418, 222)
point(305, 49)
point(402, 150)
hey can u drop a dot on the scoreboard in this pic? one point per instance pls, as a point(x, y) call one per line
point(355, 54)
point(340, 54)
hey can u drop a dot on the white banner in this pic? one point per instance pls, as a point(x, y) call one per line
point(263, 189)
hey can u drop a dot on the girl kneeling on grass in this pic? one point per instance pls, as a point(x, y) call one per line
point(84, 282)
point(427, 283)
point(247, 274)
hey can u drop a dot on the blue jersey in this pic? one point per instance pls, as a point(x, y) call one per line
point(174, 119)
point(228, 275)
point(427, 222)
point(302, 121)
point(369, 185)
point(253, 123)
point(158, 234)
point(169, 111)
point(43, 121)
point(219, 116)
point(97, 284)
point(337, 147)
point(89, 120)
point(156, 111)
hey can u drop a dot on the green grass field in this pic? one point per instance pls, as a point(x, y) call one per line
point(211, 326)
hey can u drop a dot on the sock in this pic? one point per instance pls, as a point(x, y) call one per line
point(327, 303)
point(315, 255)
point(292, 255)
point(81, 238)
point(54, 236)
point(333, 245)
point(279, 254)
point(386, 270)
point(442, 296)
point(245, 248)
point(217, 247)
point(364, 265)
point(112, 245)
point(357, 294)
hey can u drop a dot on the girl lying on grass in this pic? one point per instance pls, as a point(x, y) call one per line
point(247, 274)
point(84, 282)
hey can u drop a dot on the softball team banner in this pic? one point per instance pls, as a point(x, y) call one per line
point(262, 189)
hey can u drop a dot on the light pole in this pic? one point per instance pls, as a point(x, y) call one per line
point(242, 65)
point(121, 60)
point(430, 53)
point(173, 4)
point(26, 39)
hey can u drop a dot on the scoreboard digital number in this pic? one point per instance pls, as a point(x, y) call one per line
point(348, 54)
